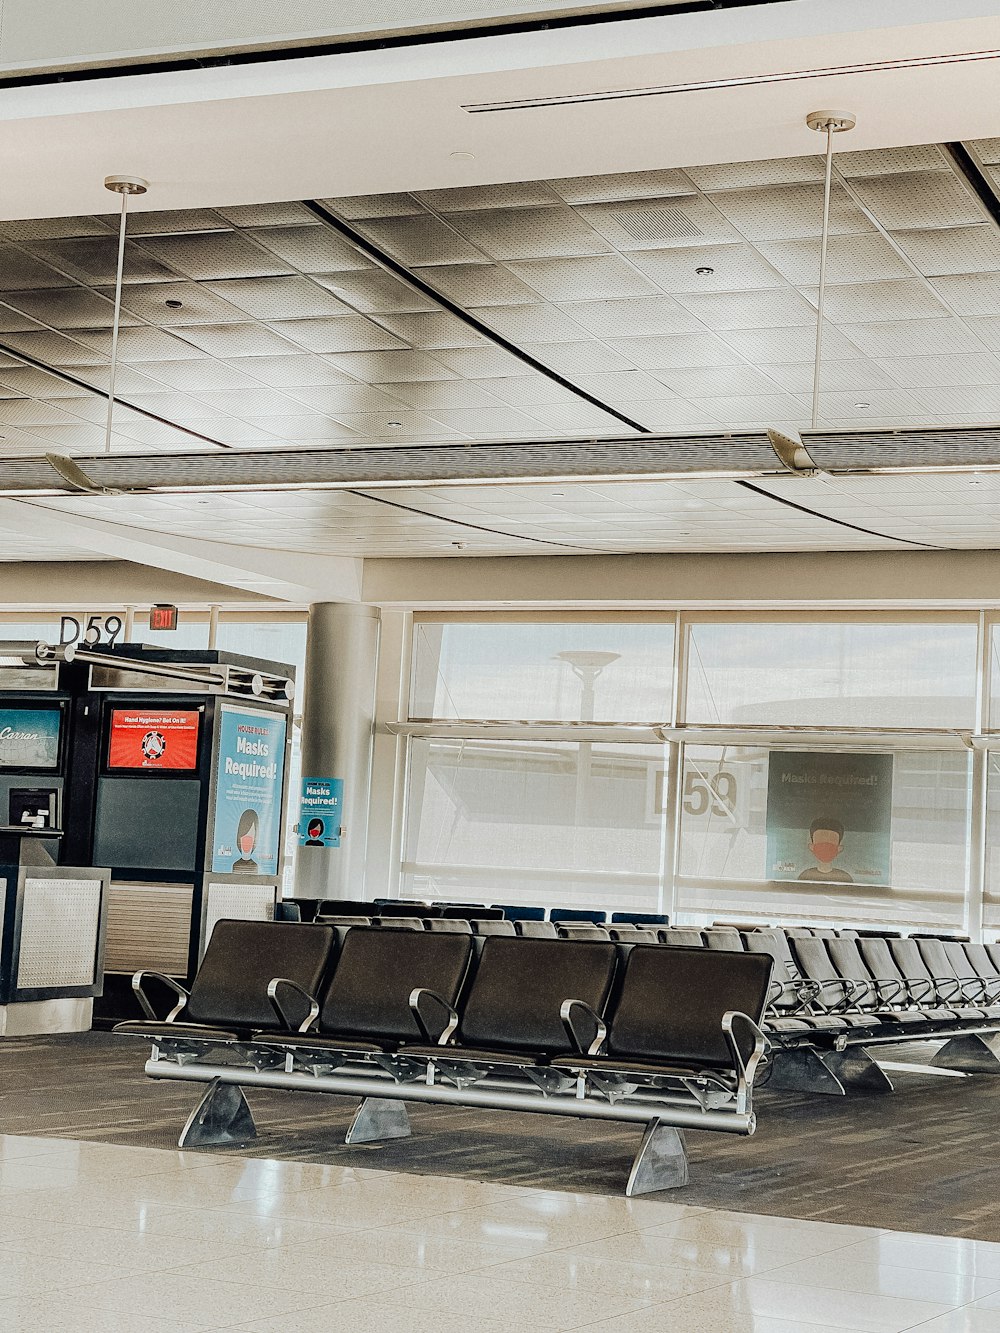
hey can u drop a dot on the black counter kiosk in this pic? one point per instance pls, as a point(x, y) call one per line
point(53, 909)
point(176, 780)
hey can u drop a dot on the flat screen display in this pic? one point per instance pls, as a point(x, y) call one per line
point(166, 740)
point(29, 737)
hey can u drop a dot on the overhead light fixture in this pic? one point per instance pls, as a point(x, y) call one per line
point(828, 123)
point(124, 186)
point(787, 444)
point(75, 476)
point(862, 406)
point(704, 271)
point(397, 424)
point(172, 303)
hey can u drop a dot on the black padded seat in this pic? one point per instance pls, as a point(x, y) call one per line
point(648, 1068)
point(512, 1009)
point(229, 993)
point(670, 1009)
point(489, 926)
point(366, 1005)
point(531, 929)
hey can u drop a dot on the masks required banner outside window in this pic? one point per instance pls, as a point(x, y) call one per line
point(829, 817)
point(251, 767)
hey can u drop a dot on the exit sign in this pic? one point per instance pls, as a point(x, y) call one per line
point(163, 617)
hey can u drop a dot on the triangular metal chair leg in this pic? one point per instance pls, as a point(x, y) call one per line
point(379, 1118)
point(974, 1053)
point(661, 1162)
point(221, 1117)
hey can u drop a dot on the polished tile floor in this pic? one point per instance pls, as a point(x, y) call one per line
point(96, 1238)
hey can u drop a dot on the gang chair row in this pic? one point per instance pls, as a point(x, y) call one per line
point(669, 1039)
point(837, 998)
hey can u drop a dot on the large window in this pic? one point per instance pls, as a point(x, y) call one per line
point(550, 762)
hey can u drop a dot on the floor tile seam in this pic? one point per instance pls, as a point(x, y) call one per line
point(245, 1282)
point(772, 1275)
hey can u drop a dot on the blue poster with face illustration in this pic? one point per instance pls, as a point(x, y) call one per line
point(829, 817)
point(248, 777)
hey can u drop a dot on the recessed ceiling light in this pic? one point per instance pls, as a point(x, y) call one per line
point(463, 157)
point(394, 423)
point(862, 406)
point(173, 304)
point(704, 271)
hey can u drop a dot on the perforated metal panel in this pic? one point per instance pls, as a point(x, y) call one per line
point(242, 902)
point(148, 926)
point(59, 925)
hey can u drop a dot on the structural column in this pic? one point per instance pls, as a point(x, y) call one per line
point(337, 734)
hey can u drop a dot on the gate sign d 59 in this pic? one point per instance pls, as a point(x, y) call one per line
point(101, 627)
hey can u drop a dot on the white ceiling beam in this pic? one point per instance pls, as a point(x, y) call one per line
point(286, 575)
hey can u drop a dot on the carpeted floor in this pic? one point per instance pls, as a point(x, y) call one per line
point(921, 1159)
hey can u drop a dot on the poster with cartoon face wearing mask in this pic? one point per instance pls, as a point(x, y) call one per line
point(248, 778)
point(829, 817)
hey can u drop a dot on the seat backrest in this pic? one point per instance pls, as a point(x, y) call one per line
point(824, 932)
point(591, 914)
point(399, 922)
point(448, 925)
point(345, 907)
point(243, 957)
point(286, 910)
point(850, 964)
point(672, 1002)
point(879, 960)
point(368, 994)
point(727, 941)
point(520, 986)
point(515, 912)
point(799, 932)
point(488, 926)
point(815, 963)
point(994, 952)
point(765, 942)
point(536, 930)
point(343, 920)
point(407, 908)
point(910, 962)
point(628, 934)
point(778, 946)
point(641, 918)
point(580, 930)
point(681, 937)
point(982, 963)
point(846, 934)
point(935, 955)
point(468, 911)
point(958, 961)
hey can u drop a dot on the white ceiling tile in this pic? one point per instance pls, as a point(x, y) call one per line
point(487, 423)
point(530, 323)
point(290, 371)
point(433, 329)
point(278, 298)
point(781, 212)
point(797, 377)
point(375, 291)
point(528, 391)
point(887, 161)
point(476, 363)
point(860, 302)
point(988, 150)
point(343, 333)
point(759, 346)
point(919, 199)
point(947, 371)
point(530, 233)
point(578, 358)
point(416, 241)
point(583, 278)
point(708, 268)
point(625, 185)
point(413, 425)
point(626, 385)
point(736, 410)
point(953, 249)
point(745, 175)
point(466, 198)
point(866, 405)
point(982, 400)
point(987, 328)
point(431, 394)
point(654, 224)
point(392, 367)
point(970, 293)
point(576, 417)
point(698, 349)
point(640, 315)
point(358, 206)
point(706, 381)
point(779, 308)
point(912, 337)
point(867, 258)
point(479, 284)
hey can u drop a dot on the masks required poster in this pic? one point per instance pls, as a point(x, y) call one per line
point(829, 818)
point(248, 779)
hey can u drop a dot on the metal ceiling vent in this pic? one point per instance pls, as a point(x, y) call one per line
point(656, 222)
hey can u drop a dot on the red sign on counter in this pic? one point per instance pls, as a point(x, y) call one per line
point(164, 740)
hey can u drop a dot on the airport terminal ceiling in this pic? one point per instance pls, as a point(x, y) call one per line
point(584, 365)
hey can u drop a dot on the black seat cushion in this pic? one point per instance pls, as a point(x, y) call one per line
point(645, 1068)
point(520, 986)
point(144, 1027)
point(242, 958)
point(318, 1042)
point(368, 995)
point(673, 1000)
point(473, 1055)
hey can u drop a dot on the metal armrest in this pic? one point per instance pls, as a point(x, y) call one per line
point(143, 998)
point(807, 991)
point(953, 982)
point(898, 987)
point(981, 993)
point(420, 993)
point(927, 987)
point(566, 1014)
point(745, 1069)
point(283, 1018)
point(832, 1006)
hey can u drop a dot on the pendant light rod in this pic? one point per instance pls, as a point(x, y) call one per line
point(828, 123)
point(123, 185)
